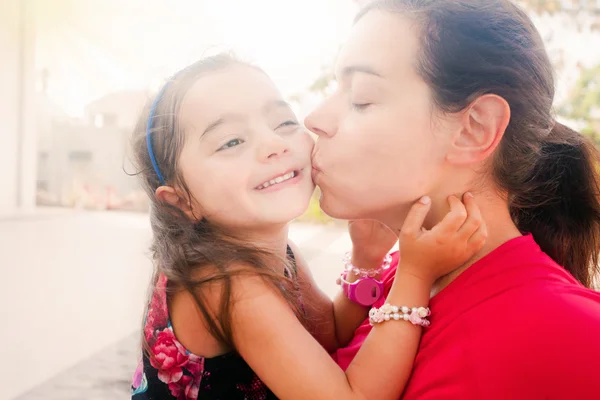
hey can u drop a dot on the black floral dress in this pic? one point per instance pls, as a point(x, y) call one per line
point(176, 373)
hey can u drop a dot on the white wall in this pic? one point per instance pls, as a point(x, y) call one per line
point(108, 149)
point(17, 114)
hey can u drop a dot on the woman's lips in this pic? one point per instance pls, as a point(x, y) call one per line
point(315, 171)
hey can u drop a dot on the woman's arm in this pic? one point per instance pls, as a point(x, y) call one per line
point(332, 323)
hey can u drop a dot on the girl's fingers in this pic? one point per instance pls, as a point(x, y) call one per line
point(415, 218)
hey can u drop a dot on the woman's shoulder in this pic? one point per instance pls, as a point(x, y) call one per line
point(543, 292)
point(552, 317)
point(537, 335)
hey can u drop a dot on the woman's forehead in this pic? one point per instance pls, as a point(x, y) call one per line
point(381, 42)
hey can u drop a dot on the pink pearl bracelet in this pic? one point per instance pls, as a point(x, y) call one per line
point(388, 312)
point(387, 261)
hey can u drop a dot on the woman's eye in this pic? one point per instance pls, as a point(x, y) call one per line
point(360, 106)
point(231, 143)
point(287, 123)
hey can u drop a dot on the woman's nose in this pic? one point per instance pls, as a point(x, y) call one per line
point(322, 121)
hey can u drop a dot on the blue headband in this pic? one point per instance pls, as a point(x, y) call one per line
point(149, 134)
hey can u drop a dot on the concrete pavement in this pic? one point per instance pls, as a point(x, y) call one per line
point(75, 284)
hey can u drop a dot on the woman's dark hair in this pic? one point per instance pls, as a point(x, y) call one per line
point(194, 253)
point(469, 48)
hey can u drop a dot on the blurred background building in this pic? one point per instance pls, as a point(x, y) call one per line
point(18, 135)
point(76, 74)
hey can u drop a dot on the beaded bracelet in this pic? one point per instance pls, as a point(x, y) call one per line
point(387, 312)
point(387, 261)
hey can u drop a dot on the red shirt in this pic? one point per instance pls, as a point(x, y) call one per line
point(515, 325)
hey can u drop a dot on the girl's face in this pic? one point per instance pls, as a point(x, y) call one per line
point(246, 159)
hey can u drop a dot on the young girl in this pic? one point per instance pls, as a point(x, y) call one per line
point(234, 312)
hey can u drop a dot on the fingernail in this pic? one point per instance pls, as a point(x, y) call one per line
point(469, 195)
point(425, 200)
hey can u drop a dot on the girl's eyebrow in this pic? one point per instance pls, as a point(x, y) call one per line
point(234, 117)
point(231, 117)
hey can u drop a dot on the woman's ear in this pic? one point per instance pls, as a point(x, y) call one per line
point(483, 125)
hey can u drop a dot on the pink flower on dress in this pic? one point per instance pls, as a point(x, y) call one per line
point(169, 357)
point(138, 375)
point(157, 314)
point(195, 365)
point(185, 388)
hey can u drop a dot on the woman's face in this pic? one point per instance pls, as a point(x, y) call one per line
point(381, 145)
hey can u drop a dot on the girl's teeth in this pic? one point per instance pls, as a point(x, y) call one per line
point(279, 179)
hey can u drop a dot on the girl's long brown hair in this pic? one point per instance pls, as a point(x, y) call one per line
point(195, 253)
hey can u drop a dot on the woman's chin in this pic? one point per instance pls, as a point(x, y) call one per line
point(336, 209)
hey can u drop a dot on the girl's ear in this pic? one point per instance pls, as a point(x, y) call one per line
point(173, 197)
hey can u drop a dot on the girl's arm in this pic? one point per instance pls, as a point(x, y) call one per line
point(292, 363)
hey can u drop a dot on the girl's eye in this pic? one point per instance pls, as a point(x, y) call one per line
point(360, 106)
point(230, 144)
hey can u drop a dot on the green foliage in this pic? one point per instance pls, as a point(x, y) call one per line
point(592, 134)
point(541, 6)
point(585, 97)
point(554, 6)
point(584, 103)
point(584, 100)
point(323, 81)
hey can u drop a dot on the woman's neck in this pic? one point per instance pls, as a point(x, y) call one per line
point(495, 213)
point(500, 229)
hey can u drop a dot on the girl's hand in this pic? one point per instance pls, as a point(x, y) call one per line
point(431, 254)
